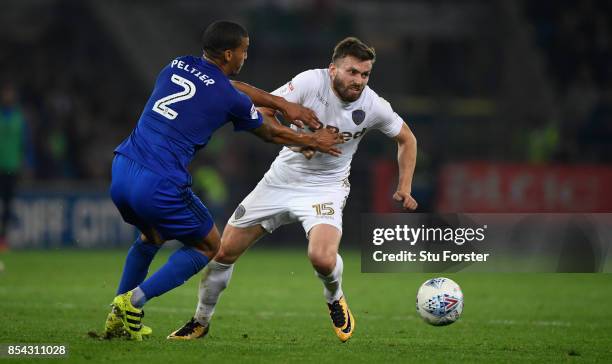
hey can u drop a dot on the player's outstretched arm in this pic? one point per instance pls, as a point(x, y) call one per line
point(406, 159)
point(322, 140)
point(294, 113)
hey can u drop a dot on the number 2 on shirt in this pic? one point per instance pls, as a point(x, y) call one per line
point(161, 105)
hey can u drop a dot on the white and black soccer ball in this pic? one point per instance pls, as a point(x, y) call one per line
point(439, 301)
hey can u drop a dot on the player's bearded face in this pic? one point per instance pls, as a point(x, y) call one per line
point(349, 77)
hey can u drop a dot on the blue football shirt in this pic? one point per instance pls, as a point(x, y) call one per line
point(192, 98)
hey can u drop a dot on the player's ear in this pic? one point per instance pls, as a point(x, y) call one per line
point(333, 69)
point(227, 55)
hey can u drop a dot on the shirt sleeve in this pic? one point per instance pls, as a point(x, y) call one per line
point(244, 115)
point(298, 89)
point(387, 120)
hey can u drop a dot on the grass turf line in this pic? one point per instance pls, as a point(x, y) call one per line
point(273, 311)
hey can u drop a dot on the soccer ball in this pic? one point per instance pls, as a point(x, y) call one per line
point(439, 301)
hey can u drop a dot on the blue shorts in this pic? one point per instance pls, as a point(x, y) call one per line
point(149, 201)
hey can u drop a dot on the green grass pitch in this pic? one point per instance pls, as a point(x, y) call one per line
point(273, 311)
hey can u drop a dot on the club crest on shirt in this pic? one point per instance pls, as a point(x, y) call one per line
point(358, 116)
point(240, 211)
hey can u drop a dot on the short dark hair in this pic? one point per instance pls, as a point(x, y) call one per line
point(221, 36)
point(352, 46)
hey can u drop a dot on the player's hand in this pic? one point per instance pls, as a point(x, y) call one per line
point(408, 202)
point(299, 115)
point(325, 139)
point(306, 151)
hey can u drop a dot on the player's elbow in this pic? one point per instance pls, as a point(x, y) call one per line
point(407, 138)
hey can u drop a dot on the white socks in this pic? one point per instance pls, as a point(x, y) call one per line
point(215, 277)
point(333, 282)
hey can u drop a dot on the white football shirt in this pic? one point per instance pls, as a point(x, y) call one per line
point(313, 89)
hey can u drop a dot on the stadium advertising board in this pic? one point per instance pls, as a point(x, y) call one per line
point(497, 187)
point(67, 219)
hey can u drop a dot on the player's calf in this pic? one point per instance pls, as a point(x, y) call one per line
point(324, 240)
point(215, 279)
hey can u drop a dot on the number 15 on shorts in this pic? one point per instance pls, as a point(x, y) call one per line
point(324, 209)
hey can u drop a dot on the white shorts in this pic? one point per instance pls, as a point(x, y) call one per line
point(280, 199)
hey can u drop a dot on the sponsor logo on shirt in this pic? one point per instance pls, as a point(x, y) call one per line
point(346, 135)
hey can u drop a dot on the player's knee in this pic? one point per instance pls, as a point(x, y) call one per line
point(227, 253)
point(323, 262)
point(208, 248)
point(213, 249)
point(210, 244)
point(225, 257)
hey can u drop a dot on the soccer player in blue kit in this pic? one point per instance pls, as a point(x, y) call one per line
point(150, 183)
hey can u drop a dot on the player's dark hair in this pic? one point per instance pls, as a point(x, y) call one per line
point(352, 46)
point(221, 36)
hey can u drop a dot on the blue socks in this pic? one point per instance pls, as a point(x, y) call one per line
point(182, 265)
point(137, 264)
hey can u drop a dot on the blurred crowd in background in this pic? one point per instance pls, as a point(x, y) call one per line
point(575, 38)
point(503, 81)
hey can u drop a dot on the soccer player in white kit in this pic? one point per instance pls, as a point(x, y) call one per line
point(310, 187)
